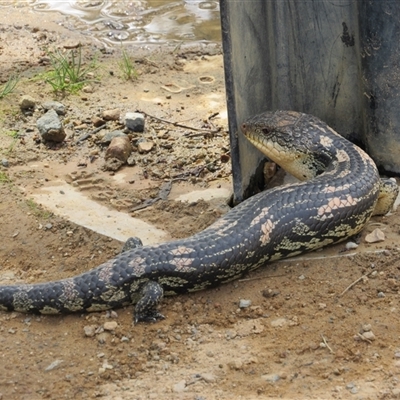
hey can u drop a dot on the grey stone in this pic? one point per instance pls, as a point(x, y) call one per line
point(58, 107)
point(134, 121)
point(50, 127)
point(110, 136)
point(5, 163)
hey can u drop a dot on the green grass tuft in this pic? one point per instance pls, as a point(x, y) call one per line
point(69, 73)
point(127, 66)
point(9, 86)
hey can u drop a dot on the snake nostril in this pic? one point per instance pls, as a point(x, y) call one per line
point(244, 126)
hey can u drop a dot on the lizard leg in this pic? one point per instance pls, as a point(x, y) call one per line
point(146, 307)
point(387, 196)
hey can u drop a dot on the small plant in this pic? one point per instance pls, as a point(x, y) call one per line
point(9, 86)
point(127, 67)
point(12, 134)
point(37, 210)
point(69, 74)
point(4, 177)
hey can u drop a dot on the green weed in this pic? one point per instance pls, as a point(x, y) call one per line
point(127, 66)
point(12, 134)
point(37, 210)
point(4, 177)
point(9, 86)
point(69, 72)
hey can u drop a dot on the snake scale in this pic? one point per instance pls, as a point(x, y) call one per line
point(339, 191)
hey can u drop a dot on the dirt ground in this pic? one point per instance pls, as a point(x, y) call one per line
point(303, 336)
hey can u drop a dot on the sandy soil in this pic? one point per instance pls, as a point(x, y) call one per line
point(303, 336)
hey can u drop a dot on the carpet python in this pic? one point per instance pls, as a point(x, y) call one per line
point(339, 190)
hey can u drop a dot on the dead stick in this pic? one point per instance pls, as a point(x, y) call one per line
point(180, 125)
point(327, 345)
point(386, 264)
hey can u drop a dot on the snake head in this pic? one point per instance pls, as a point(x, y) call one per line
point(292, 140)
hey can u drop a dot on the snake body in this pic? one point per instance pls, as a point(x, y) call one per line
point(335, 202)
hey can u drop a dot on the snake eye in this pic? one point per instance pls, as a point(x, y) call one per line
point(244, 126)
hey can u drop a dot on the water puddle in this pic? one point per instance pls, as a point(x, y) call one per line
point(146, 22)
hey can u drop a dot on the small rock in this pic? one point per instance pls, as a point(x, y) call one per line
point(134, 121)
point(5, 163)
point(302, 277)
point(50, 127)
point(111, 115)
point(120, 148)
point(145, 146)
point(244, 303)
point(375, 236)
point(366, 327)
point(179, 387)
point(131, 161)
point(58, 107)
point(208, 377)
point(236, 364)
point(90, 330)
point(27, 103)
point(271, 377)
point(89, 89)
point(97, 121)
point(351, 245)
point(267, 293)
point(108, 137)
point(106, 365)
point(53, 365)
point(110, 325)
point(103, 337)
point(368, 335)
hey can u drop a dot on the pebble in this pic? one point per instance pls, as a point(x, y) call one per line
point(111, 115)
point(110, 325)
point(368, 335)
point(53, 365)
point(90, 330)
point(134, 121)
point(5, 163)
point(58, 107)
point(27, 103)
point(302, 277)
point(108, 137)
point(48, 226)
point(235, 364)
point(375, 236)
point(244, 303)
point(145, 146)
point(97, 121)
point(271, 377)
point(208, 377)
point(351, 245)
point(50, 127)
